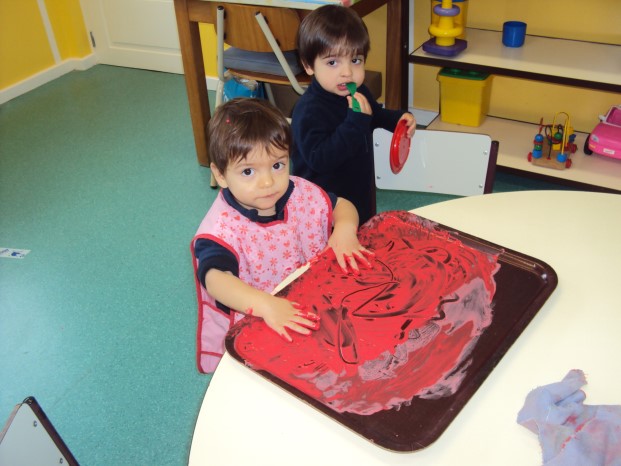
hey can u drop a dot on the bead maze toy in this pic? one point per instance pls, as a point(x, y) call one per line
point(554, 144)
point(445, 32)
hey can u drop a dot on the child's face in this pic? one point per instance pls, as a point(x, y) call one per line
point(334, 72)
point(259, 180)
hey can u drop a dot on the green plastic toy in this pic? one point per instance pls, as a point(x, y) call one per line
point(355, 105)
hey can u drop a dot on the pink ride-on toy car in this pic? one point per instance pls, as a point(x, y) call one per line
point(605, 139)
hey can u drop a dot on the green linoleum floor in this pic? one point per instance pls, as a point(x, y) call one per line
point(99, 179)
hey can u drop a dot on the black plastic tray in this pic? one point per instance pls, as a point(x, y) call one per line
point(523, 284)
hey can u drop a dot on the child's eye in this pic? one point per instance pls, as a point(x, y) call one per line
point(247, 171)
point(331, 62)
point(357, 61)
point(278, 166)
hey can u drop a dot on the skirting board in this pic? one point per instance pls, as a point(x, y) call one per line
point(46, 76)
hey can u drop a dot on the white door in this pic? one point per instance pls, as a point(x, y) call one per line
point(134, 33)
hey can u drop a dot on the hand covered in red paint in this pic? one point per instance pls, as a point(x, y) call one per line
point(348, 250)
point(279, 314)
point(344, 240)
point(283, 316)
point(411, 122)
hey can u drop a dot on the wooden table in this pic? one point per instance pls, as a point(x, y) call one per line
point(190, 13)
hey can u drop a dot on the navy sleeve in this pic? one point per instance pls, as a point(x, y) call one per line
point(323, 127)
point(211, 255)
point(382, 117)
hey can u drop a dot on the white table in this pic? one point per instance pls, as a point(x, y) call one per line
point(247, 420)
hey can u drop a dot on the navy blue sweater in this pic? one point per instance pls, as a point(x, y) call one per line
point(333, 145)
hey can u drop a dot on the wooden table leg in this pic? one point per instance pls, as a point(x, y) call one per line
point(194, 72)
point(397, 43)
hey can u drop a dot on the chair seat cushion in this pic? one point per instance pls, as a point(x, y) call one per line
point(260, 62)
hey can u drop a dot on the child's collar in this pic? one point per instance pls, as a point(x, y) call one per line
point(253, 214)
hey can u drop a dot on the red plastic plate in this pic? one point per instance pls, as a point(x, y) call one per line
point(399, 147)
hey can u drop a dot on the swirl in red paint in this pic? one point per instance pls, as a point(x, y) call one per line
point(405, 328)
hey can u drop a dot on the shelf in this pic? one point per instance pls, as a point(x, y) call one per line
point(516, 141)
point(576, 63)
point(561, 61)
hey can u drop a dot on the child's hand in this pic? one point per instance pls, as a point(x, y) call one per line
point(348, 250)
point(411, 121)
point(365, 106)
point(278, 313)
point(344, 238)
point(281, 315)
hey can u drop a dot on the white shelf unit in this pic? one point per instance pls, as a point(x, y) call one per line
point(569, 62)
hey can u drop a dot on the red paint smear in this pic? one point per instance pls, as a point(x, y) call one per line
point(402, 329)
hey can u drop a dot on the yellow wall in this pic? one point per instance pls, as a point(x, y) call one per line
point(20, 59)
point(376, 61)
point(69, 29)
point(526, 100)
point(30, 53)
point(208, 41)
point(24, 46)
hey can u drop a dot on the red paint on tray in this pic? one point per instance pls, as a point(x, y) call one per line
point(404, 328)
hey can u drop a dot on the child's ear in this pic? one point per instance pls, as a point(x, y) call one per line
point(218, 176)
point(309, 69)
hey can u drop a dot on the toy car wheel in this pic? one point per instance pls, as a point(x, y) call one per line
point(587, 151)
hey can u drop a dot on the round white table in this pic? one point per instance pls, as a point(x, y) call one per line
point(247, 420)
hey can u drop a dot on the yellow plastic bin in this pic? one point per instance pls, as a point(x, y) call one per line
point(464, 96)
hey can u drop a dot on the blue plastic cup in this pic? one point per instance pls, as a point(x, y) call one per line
point(513, 33)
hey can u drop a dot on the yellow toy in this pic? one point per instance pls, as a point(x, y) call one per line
point(444, 33)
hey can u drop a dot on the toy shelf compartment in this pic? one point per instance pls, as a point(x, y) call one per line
point(560, 61)
point(590, 172)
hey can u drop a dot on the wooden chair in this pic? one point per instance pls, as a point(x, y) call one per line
point(262, 48)
point(262, 44)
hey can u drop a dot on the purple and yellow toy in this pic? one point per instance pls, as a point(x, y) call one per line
point(445, 32)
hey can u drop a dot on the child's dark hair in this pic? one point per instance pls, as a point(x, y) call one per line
point(332, 30)
point(243, 124)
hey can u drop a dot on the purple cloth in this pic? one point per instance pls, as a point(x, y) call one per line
point(571, 433)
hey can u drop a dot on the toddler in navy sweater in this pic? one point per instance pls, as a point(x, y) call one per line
point(333, 143)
